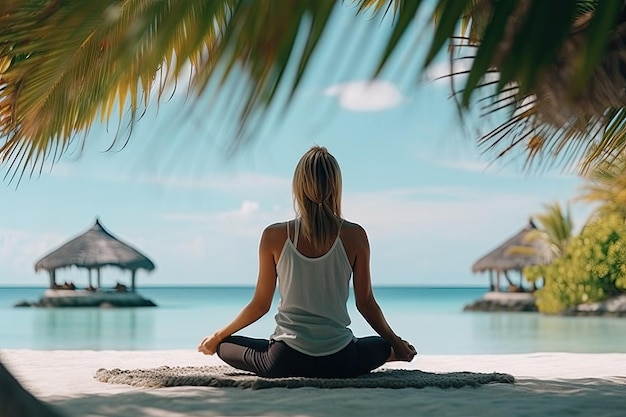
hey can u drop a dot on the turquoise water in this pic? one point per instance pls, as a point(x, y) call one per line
point(431, 318)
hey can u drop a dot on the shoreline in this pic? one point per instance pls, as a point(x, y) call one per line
point(546, 383)
point(524, 302)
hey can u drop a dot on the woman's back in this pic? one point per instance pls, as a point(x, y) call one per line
point(314, 287)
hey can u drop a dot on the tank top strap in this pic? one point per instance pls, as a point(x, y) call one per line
point(296, 233)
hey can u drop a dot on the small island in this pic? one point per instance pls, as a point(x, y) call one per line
point(92, 250)
point(598, 292)
point(514, 254)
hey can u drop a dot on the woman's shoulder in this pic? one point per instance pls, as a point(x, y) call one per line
point(351, 226)
point(277, 230)
point(352, 231)
point(354, 240)
point(278, 225)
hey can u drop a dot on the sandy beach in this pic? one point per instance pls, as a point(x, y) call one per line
point(555, 384)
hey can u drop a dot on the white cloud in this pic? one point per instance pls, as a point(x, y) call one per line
point(195, 247)
point(366, 96)
point(243, 181)
point(58, 169)
point(466, 165)
point(246, 220)
point(224, 238)
point(461, 163)
point(19, 250)
point(494, 168)
point(247, 210)
point(421, 234)
point(443, 216)
point(497, 169)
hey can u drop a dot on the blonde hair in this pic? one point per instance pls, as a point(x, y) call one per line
point(317, 196)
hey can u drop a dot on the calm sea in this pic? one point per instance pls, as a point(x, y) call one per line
point(431, 318)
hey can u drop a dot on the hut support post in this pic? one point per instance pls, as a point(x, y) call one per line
point(98, 278)
point(506, 275)
point(90, 286)
point(491, 284)
point(132, 280)
point(512, 286)
point(53, 281)
point(498, 280)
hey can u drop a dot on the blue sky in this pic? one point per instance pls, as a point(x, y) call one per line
point(431, 202)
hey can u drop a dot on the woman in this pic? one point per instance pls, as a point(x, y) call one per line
point(313, 258)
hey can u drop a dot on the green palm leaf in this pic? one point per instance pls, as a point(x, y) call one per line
point(105, 54)
point(606, 186)
point(67, 64)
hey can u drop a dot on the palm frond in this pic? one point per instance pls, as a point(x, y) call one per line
point(572, 76)
point(74, 62)
point(66, 64)
point(606, 185)
point(100, 55)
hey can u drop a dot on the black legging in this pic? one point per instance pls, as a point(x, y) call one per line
point(274, 359)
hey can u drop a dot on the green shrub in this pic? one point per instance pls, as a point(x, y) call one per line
point(592, 267)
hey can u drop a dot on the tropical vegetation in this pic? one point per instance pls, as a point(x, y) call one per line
point(592, 268)
point(556, 228)
point(605, 186)
point(552, 69)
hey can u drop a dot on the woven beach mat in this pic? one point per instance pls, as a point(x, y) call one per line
point(226, 376)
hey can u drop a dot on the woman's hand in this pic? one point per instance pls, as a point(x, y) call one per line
point(209, 344)
point(402, 351)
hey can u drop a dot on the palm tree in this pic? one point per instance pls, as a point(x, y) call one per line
point(551, 237)
point(606, 185)
point(556, 228)
point(66, 64)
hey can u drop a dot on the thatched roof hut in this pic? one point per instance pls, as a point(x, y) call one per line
point(94, 249)
point(516, 253)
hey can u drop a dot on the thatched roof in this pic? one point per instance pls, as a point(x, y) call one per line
point(94, 249)
point(515, 253)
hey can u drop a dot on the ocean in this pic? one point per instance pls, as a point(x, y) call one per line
point(430, 318)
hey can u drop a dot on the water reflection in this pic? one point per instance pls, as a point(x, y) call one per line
point(432, 319)
point(531, 332)
point(93, 328)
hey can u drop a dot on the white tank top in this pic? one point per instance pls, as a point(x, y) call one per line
point(312, 315)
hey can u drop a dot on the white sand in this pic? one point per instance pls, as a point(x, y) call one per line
point(548, 384)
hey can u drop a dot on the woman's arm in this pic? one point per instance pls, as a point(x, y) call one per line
point(366, 303)
point(261, 301)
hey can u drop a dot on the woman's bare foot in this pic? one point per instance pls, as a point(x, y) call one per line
point(392, 356)
point(407, 352)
